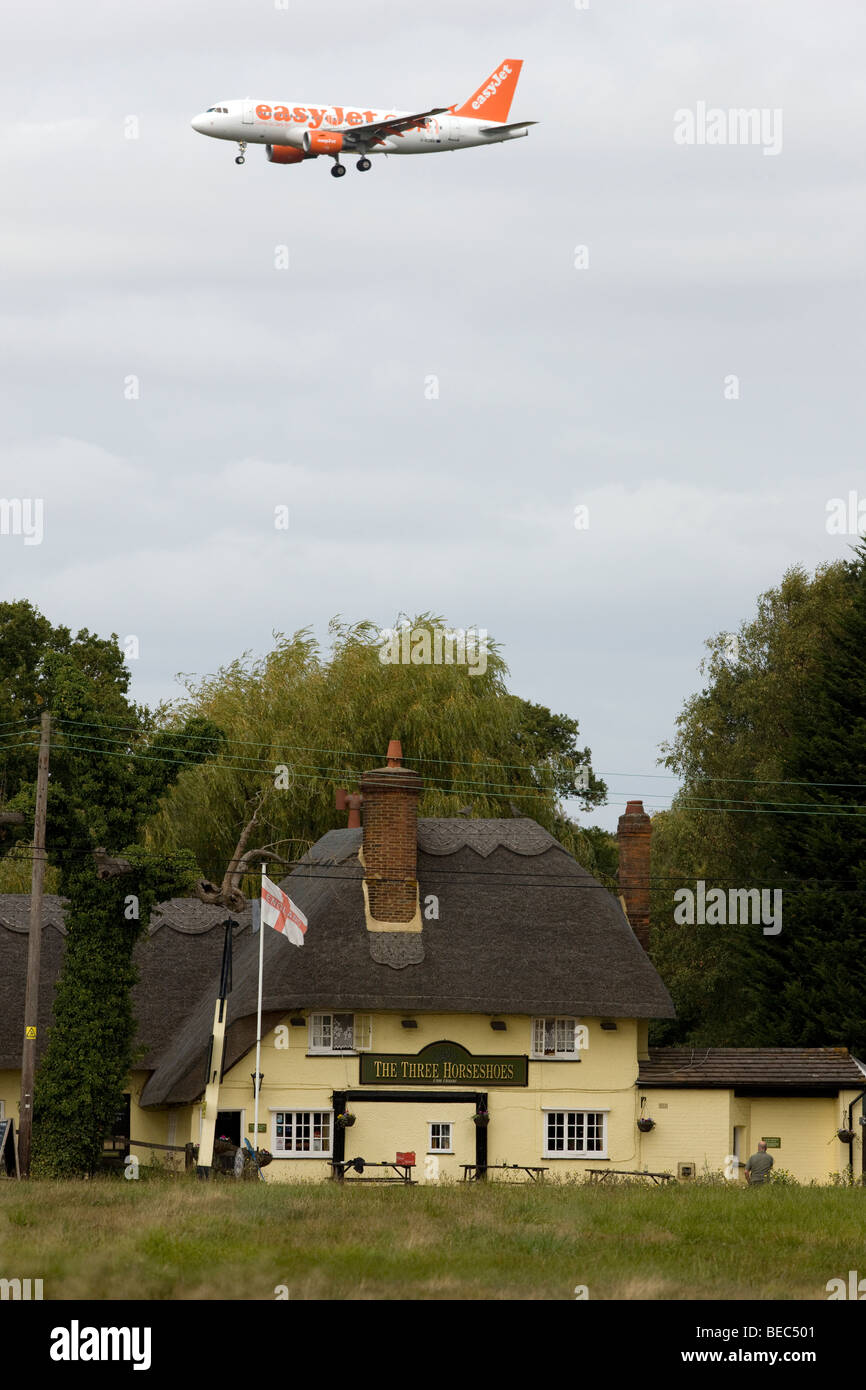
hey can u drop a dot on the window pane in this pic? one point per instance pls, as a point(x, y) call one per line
point(344, 1032)
point(555, 1137)
point(595, 1132)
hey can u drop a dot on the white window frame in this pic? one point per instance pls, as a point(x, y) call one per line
point(317, 1028)
point(559, 1022)
point(549, 1110)
point(431, 1124)
point(301, 1153)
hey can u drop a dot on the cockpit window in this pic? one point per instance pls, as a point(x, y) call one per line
point(220, 110)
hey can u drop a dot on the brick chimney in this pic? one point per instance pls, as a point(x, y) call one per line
point(349, 801)
point(389, 804)
point(633, 833)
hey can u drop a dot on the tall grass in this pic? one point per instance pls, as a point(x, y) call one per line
point(165, 1238)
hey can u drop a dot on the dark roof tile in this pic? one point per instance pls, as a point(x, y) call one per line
point(748, 1067)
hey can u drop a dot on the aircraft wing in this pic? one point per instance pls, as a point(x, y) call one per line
point(515, 125)
point(380, 130)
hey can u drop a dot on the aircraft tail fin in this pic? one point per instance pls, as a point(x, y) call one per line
point(492, 101)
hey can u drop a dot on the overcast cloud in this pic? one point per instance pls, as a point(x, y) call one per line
point(559, 386)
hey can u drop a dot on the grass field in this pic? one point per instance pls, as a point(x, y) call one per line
point(178, 1239)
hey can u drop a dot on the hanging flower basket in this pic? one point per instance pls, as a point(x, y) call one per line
point(846, 1135)
point(481, 1118)
point(645, 1125)
point(346, 1121)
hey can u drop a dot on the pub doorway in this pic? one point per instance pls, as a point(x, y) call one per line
point(229, 1124)
point(398, 1129)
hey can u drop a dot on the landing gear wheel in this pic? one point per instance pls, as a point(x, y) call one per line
point(242, 149)
point(239, 159)
point(364, 164)
point(338, 171)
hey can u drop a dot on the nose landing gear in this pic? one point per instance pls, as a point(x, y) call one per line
point(242, 145)
point(364, 164)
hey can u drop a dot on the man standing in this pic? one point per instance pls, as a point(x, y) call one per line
point(759, 1165)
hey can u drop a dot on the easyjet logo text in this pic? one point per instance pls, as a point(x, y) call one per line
point(488, 91)
point(316, 116)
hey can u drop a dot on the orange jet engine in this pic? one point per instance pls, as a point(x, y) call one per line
point(323, 141)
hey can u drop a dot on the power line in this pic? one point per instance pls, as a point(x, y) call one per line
point(503, 877)
point(459, 762)
point(267, 764)
point(496, 791)
point(492, 791)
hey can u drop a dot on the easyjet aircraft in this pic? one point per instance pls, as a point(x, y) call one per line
point(292, 132)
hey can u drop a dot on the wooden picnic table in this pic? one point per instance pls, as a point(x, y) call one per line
point(342, 1166)
point(478, 1168)
point(601, 1174)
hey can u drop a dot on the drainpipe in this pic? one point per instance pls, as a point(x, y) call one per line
point(862, 1140)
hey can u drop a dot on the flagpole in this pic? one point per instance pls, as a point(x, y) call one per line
point(259, 1018)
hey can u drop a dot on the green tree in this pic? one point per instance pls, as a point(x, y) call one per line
point(733, 750)
point(810, 980)
point(111, 761)
point(100, 795)
point(300, 722)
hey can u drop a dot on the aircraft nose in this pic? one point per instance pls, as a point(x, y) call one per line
point(199, 123)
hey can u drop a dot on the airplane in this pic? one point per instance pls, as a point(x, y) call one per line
point(293, 132)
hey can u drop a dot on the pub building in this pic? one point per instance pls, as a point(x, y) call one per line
point(467, 997)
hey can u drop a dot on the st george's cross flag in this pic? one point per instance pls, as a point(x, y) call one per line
point(279, 912)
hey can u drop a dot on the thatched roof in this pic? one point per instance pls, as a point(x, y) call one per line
point(179, 956)
point(14, 928)
point(521, 928)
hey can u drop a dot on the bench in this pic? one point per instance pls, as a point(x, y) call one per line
point(602, 1174)
point(476, 1172)
point(341, 1166)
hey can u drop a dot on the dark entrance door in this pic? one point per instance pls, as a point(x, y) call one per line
point(120, 1124)
point(228, 1123)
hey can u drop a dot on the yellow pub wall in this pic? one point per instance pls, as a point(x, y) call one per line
point(294, 1080)
point(10, 1093)
point(692, 1126)
point(697, 1126)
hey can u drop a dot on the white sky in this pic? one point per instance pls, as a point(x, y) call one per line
point(557, 386)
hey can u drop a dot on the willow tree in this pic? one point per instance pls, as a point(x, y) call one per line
point(300, 722)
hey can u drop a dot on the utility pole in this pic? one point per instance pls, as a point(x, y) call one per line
point(34, 954)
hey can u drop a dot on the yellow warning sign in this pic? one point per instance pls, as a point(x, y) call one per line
point(30, 1033)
